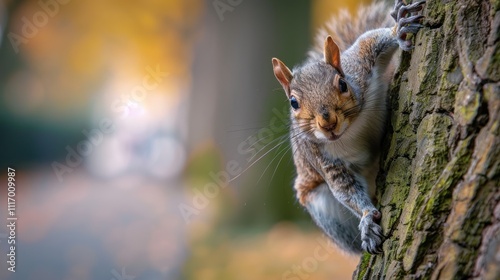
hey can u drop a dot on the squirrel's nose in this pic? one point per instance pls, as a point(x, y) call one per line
point(329, 127)
point(326, 115)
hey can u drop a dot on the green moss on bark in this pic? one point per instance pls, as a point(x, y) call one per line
point(438, 186)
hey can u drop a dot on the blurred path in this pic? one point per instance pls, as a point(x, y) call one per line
point(126, 228)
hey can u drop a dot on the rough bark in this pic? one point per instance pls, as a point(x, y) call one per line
point(438, 188)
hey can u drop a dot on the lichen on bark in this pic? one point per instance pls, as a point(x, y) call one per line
point(438, 187)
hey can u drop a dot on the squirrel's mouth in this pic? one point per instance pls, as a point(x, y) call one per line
point(333, 137)
point(331, 131)
point(327, 135)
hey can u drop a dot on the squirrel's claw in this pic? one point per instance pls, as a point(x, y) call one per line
point(404, 44)
point(402, 10)
point(371, 233)
point(407, 25)
point(397, 6)
point(411, 28)
point(410, 20)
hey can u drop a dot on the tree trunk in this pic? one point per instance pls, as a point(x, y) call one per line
point(438, 188)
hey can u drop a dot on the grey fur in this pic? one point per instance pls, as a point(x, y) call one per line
point(337, 221)
point(345, 169)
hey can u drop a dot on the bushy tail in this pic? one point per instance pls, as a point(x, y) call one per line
point(346, 28)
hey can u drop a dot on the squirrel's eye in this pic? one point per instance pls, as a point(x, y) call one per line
point(342, 86)
point(294, 103)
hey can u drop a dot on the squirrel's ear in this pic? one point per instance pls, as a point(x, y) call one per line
point(283, 74)
point(332, 55)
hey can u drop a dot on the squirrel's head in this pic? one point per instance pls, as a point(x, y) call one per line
point(322, 102)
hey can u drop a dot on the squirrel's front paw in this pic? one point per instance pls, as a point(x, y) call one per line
point(407, 25)
point(371, 233)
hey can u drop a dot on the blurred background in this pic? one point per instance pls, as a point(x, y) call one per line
point(148, 140)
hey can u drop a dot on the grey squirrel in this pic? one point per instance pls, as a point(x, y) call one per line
point(338, 115)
